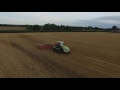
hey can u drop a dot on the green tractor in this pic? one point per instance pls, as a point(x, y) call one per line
point(61, 48)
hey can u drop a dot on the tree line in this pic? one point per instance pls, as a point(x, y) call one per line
point(12, 25)
point(54, 27)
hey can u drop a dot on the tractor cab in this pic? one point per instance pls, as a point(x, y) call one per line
point(59, 44)
point(61, 48)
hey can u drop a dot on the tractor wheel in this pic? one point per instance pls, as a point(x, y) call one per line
point(54, 49)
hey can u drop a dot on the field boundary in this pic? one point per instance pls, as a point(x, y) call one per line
point(27, 31)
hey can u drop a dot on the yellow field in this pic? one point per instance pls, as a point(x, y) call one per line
point(93, 55)
point(12, 28)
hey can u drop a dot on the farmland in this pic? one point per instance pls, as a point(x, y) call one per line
point(93, 55)
point(12, 28)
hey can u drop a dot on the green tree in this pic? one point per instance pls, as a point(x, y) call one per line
point(90, 27)
point(54, 27)
point(49, 26)
point(62, 27)
point(67, 28)
point(36, 27)
point(96, 28)
point(29, 27)
point(114, 27)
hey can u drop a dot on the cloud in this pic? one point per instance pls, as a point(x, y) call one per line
point(103, 22)
point(29, 18)
point(95, 19)
point(114, 18)
point(7, 20)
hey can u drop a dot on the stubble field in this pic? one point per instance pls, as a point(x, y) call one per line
point(12, 28)
point(93, 55)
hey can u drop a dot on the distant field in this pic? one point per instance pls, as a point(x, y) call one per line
point(12, 28)
point(93, 55)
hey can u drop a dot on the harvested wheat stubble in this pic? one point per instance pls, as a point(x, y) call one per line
point(12, 28)
point(93, 55)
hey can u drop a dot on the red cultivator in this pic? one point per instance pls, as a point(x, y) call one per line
point(46, 46)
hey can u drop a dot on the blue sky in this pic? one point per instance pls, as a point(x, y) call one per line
point(95, 19)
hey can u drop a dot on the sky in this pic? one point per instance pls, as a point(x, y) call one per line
point(85, 19)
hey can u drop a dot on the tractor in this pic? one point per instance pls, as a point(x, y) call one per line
point(61, 48)
point(58, 47)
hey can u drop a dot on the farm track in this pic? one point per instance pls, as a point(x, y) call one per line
point(86, 60)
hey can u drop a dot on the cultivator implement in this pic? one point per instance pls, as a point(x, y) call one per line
point(46, 46)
